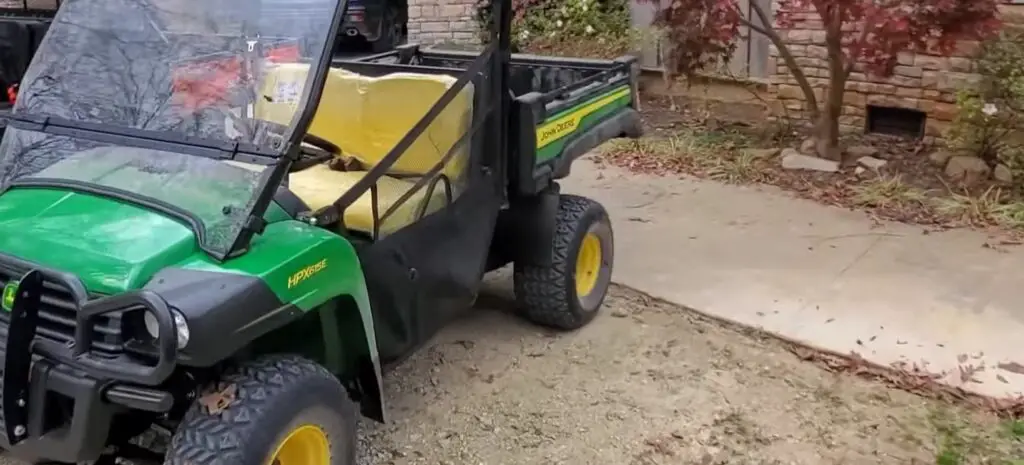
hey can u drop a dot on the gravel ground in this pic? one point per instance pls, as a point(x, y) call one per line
point(648, 383)
point(651, 384)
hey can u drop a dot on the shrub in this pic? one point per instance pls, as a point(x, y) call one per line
point(574, 27)
point(990, 115)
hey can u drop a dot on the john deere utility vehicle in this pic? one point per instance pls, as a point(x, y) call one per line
point(209, 231)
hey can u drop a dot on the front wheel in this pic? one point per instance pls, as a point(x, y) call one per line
point(568, 294)
point(277, 410)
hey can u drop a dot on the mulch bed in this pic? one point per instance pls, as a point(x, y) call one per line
point(907, 159)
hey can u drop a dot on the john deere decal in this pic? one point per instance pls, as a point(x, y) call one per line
point(10, 291)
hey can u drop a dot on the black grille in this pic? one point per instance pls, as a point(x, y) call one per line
point(57, 319)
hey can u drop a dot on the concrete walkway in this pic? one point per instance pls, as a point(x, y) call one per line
point(826, 276)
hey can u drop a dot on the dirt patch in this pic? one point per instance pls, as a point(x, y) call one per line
point(649, 383)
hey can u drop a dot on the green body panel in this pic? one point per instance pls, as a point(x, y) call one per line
point(286, 248)
point(111, 246)
point(588, 113)
point(115, 247)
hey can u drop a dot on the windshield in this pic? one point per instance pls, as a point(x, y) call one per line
point(191, 68)
point(194, 67)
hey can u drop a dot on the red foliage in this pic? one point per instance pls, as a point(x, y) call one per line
point(703, 31)
point(697, 33)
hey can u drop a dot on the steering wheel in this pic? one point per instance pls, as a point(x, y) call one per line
point(313, 150)
point(321, 143)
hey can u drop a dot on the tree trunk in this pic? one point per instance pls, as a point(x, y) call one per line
point(826, 128)
point(826, 133)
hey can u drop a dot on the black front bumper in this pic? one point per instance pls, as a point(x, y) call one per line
point(59, 399)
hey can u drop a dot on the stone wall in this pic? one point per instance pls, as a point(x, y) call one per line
point(921, 82)
point(442, 21)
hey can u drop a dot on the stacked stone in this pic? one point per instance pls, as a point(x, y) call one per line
point(921, 81)
point(443, 21)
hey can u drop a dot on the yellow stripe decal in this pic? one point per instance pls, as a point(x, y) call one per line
point(558, 128)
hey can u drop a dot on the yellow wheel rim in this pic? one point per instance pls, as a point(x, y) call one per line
point(306, 445)
point(588, 265)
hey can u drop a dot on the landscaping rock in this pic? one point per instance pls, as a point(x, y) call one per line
point(871, 162)
point(809, 147)
point(940, 157)
point(761, 154)
point(833, 153)
point(793, 160)
point(967, 170)
point(1002, 174)
point(860, 151)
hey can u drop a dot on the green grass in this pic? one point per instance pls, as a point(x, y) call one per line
point(960, 441)
point(888, 191)
point(1015, 429)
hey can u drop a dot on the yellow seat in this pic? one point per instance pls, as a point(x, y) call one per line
point(366, 117)
point(320, 186)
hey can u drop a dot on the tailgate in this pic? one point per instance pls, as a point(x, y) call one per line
point(552, 129)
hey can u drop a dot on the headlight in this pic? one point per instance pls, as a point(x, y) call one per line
point(153, 328)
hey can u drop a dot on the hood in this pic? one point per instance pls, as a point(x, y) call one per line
point(111, 246)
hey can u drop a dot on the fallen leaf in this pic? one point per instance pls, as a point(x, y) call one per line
point(219, 400)
point(967, 373)
point(1012, 367)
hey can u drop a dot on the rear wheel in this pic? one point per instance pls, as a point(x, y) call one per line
point(278, 410)
point(568, 294)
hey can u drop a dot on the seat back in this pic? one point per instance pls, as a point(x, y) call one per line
point(367, 116)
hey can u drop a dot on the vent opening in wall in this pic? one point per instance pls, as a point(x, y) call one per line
point(895, 121)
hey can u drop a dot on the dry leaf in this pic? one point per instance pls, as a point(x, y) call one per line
point(1012, 367)
point(967, 373)
point(218, 401)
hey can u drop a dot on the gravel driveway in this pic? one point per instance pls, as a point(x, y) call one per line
point(649, 384)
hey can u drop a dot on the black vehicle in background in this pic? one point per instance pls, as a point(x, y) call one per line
point(380, 24)
point(23, 23)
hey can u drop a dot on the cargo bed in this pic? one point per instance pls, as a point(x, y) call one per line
point(562, 108)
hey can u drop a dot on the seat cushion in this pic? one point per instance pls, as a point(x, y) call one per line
point(367, 116)
point(319, 186)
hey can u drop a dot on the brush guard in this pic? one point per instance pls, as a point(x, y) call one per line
point(24, 350)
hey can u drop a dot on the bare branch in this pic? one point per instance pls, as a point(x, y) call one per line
point(786, 54)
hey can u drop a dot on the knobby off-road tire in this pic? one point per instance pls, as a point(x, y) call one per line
point(568, 294)
point(283, 405)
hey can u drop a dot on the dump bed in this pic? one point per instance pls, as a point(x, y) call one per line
point(562, 108)
point(23, 23)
